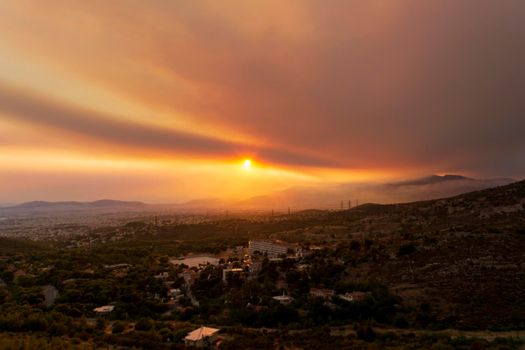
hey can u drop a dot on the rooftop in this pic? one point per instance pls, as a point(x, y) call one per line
point(104, 309)
point(200, 333)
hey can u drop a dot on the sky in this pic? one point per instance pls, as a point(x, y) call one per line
point(162, 101)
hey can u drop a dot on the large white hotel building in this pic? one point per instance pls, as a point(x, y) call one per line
point(271, 248)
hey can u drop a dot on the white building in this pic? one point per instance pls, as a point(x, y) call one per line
point(174, 292)
point(201, 337)
point(104, 309)
point(268, 247)
point(283, 299)
point(354, 296)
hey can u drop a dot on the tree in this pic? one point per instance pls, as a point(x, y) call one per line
point(144, 324)
point(118, 327)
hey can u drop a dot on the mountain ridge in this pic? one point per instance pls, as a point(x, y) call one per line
point(331, 197)
point(298, 198)
point(74, 205)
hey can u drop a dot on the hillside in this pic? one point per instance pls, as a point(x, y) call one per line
point(331, 196)
point(464, 256)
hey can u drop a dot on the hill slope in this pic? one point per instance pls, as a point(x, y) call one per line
point(463, 255)
point(330, 197)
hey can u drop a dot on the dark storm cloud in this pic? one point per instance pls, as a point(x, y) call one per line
point(435, 85)
point(107, 129)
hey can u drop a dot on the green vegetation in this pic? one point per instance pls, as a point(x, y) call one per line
point(399, 276)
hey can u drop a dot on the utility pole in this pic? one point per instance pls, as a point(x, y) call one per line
point(342, 207)
point(349, 204)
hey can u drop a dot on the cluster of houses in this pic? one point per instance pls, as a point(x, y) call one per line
point(247, 267)
point(247, 264)
point(326, 294)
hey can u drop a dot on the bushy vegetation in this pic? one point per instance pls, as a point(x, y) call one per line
point(395, 247)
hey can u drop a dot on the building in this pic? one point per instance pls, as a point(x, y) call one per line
point(201, 337)
point(354, 296)
point(174, 292)
point(117, 266)
point(189, 276)
point(283, 299)
point(104, 309)
point(267, 247)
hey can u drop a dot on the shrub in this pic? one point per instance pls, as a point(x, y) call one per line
point(144, 324)
point(118, 327)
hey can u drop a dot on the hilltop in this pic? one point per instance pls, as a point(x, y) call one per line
point(67, 206)
point(332, 196)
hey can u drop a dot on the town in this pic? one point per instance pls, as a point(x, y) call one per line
point(394, 274)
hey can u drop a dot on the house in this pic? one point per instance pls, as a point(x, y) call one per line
point(104, 309)
point(117, 266)
point(174, 292)
point(283, 299)
point(354, 296)
point(201, 337)
point(189, 276)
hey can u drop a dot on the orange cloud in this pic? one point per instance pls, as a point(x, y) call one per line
point(379, 89)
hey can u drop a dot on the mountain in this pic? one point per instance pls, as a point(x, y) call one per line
point(330, 196)
point(104, 205)
point(432, 179)
point(461, 256)
point(296, 198)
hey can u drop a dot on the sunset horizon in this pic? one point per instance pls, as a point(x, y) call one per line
point(164, 101)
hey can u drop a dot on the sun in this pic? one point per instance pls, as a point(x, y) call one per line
point(247, 164)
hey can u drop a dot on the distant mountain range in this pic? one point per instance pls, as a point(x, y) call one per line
point(103, 205)
point(297, 198)
point(87, 205)
point(433, 179)
point(330, 197)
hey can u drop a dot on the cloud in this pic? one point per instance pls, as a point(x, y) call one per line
point(110, 130)
point(425, 86)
